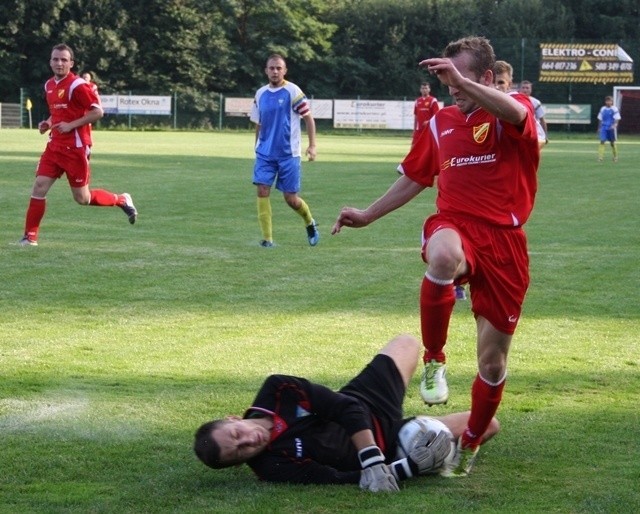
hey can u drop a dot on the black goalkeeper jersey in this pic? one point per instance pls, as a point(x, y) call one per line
point(311, 438)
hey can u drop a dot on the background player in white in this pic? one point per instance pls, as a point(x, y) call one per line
point(526, 88)
point(276, 111)
point(503, 80)
point(608, 119)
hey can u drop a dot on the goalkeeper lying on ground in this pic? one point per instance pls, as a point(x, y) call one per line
point(300, 432)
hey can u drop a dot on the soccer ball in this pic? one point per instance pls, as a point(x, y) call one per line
point(411, 429)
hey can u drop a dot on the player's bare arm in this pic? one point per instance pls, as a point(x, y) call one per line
point(311, 134)
point(91, 117)
point(402, 191)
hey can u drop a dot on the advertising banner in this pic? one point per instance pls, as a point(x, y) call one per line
point(584, 62)
point(373, 114)
point(136, 104)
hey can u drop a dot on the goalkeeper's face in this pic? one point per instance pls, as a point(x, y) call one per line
point(240, 440)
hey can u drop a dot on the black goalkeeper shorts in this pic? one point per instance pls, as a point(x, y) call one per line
point(381, 387)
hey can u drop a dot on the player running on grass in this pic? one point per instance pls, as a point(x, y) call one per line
point(485, 153)
point(300, 432)
point(73, 107)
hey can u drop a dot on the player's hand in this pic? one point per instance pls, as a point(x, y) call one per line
point(378, 478)
point(350, 217)
point(376, 475)
point(63, 127)
point(444, 69)
point(43, 126)
point(430, 451)
point(427, 455)
point(311, 153)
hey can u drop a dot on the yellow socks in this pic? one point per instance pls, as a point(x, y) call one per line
point(304, 212)
point(264, 218)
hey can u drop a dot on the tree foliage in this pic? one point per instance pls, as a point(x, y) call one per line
point(334, 48)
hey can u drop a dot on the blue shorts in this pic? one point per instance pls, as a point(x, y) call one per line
point(284, 171)
point(608, 135)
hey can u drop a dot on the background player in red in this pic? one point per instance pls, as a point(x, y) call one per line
point(89, 80)
point(485, 153)
point(424, 108)
point(73, 107)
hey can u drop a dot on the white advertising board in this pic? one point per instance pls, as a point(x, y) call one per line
point(136, 104)
point(373, 114)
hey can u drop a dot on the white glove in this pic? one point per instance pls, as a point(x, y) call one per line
point(376, 476)
point(427, 455)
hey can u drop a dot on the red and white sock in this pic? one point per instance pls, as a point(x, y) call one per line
point(485, 400)
point(437, 299)
point(35, 213)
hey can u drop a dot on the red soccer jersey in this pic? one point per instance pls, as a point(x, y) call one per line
point(423, 110)
point(70, 99)
point(486, 168)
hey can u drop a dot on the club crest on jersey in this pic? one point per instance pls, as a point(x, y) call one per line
point(480, 132)
point(61, 93)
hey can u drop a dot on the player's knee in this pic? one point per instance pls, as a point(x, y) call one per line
point(444, 262)
point(407, 343)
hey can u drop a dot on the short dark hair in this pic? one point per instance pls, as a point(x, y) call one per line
point(63, 46)
point(206, 447)
point(277, 56)
point(484, 58)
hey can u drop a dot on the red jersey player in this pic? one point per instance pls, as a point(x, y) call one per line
point(424, 108)
point(73, 106)
point(89, 80)
point(484, 151)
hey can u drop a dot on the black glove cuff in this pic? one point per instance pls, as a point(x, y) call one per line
point(370, 456)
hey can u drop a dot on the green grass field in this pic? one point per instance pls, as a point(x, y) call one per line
point(118, 341)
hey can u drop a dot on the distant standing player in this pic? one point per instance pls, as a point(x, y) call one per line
point(608, 119)
point(484, 152)
point(503, 81)
point(73, 106)
point(89, 80)
point(526, 88)
point(276, 111)
point(424, 108)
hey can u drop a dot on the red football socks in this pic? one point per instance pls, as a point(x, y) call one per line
point(103, 198)
point(436, 306)
point(35, 213)
point(485, 399)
